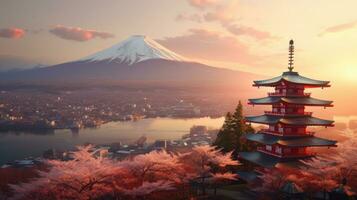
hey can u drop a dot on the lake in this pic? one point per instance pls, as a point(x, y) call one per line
point(24, 144)
point(20, 145)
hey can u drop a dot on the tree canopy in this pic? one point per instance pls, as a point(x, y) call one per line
point(230, 138)
point(144, 176)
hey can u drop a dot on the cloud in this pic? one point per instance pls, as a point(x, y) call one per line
point(221, 16)
point(12, 33)
point(249, 31)
point(202, 4)
point(225, 13)
point(339, 28)
point(189, 17)
point(210, 45)
point(78, 34)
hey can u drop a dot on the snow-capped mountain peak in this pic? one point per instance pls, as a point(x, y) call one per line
point(135, 49)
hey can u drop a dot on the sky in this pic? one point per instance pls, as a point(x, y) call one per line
point(247, 35)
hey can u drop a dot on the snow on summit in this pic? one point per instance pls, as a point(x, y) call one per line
point(135, 49)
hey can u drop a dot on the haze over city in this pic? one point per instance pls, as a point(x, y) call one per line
point(227, 34)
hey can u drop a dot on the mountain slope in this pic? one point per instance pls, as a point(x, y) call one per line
point(15, 63)
point(138, 58)
point(149, 70)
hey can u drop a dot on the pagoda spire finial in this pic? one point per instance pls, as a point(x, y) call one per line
point(291, 55)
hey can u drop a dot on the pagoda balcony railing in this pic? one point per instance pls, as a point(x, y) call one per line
point(278, 94)
point(287, 155)
point(277, 133)
point(288, 87)
point(288, 114)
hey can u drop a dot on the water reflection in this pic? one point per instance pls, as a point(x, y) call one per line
point(32, 132)
point(18, 145)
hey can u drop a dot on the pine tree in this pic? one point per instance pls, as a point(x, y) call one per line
point(225, 136)
point(230, 137)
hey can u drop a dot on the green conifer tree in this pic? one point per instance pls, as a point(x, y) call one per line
point(225, 136)
point(230, 137)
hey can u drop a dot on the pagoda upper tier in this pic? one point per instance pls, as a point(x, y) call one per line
point(289, 141)
point(292, 77)
point(299, 120)
point(304, 100)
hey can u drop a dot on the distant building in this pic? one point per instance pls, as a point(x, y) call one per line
point(198, 130)
point(54, 154)
point(141, 141)
point(183, 109)
point(161, 144)
point(199, 135)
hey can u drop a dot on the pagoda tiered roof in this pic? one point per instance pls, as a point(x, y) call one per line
point(308, 101)
point(303, 120)
point(267, 160)
point(292, 77)
point(304, 141)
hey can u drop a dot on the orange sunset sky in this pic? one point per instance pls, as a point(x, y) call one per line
point(247, 35)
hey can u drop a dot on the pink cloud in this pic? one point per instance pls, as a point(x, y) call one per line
point(211, 10)
point(78, 34)
point(339, 28)
point(221, 16)
point(249, 31)
point(210, 45)
point(225, 13)
point(189, 17)
point(12, 33)
point(201, 4)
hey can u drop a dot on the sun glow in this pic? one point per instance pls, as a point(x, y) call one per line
point(349, 73)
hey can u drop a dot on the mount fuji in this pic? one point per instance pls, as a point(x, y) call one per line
point(136, 59)
point(133, 50)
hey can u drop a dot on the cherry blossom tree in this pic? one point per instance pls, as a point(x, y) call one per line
point(83, 177)
point(153, 166)
point(221, 178)
point(346, 160)
point(322, 173)
point(146, 173)
point(339, 167)
point(315, 175)
point(148, 187)
point(205, 161)
point(319, 175)
point(89, 176)
point(273, 179)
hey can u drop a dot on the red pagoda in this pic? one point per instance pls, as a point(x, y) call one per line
point(287, 138)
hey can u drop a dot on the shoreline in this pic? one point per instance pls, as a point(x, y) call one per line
point(15, 128)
